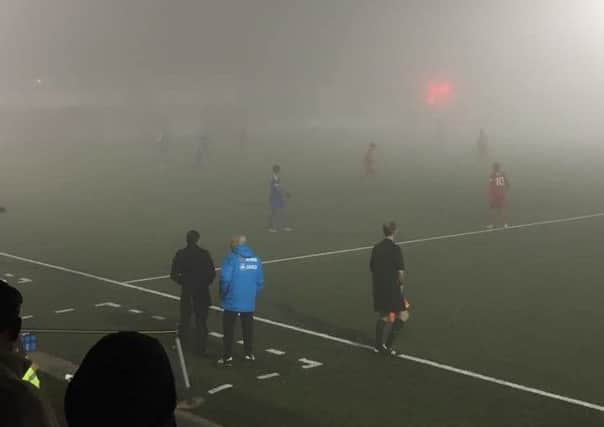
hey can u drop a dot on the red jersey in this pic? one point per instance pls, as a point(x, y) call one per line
point(498, 183)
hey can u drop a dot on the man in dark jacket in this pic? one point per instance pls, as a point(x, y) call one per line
point(193, 269)
point(241, 280)
point(388, 273)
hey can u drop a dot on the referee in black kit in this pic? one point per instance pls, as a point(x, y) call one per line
point(388, 274)
point(193, 269)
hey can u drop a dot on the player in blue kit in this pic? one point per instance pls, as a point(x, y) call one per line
point(277, 218)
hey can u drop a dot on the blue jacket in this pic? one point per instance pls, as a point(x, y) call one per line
point(241, 279)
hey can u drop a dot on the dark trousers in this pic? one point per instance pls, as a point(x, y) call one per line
point(194, 304)
point(228, 329)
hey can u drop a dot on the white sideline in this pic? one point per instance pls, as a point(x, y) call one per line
point(88, 275)
point(328, 337)
point(406, 242)
point(503, 382)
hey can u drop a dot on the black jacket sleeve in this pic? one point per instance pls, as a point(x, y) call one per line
point(400, 262)
point(176, 272)
point(212, 269)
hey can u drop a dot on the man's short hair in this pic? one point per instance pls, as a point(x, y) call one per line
point(389, 228)
point(10, 306)
point(238, 239)
point(276, 168)
point(192, 237)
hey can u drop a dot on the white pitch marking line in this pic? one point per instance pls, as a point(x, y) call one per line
point(220, 388)
point(147, 279)
point(328, 337)
point(309, 364)
point(407, 242)
point(89, 276)
point(275, 352)
point(158, 317)
point(240, 342)
point(23, 280)
point(65, 310)
point(108, 304)
point(267, 376)
point(135, 311)
point(502, 382)
point(27, 317)
point(9, 275)
point(427, 362)
point(216, 334)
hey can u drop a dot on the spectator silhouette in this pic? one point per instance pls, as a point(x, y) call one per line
point(125, 380)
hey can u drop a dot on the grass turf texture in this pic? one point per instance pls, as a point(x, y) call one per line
point(520, 305)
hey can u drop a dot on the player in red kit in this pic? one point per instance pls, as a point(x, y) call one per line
point(499, 185)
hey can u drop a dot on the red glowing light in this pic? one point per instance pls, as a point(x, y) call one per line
point(438, 93)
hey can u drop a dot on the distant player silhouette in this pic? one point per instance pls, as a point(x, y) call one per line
point(277, 217)
point(369, 161)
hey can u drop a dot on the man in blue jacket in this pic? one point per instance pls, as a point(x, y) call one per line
point(241, 279)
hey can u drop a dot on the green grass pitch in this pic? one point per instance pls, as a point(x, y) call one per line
point(521, 305)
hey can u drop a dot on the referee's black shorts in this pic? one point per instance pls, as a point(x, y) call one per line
point(394, 304)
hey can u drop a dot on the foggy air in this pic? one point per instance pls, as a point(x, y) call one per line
point(301, 213)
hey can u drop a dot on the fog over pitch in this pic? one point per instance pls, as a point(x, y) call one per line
point(531, 70)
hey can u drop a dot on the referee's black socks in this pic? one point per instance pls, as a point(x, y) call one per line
point(395, 328)
point(380, 327)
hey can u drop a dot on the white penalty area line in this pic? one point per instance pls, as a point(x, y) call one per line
point(406, 242)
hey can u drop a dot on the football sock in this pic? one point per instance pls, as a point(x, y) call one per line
point(380, 325)
point(386, 333)
point(396, 327)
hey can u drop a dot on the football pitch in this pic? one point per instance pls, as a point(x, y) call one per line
point(505, 325)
